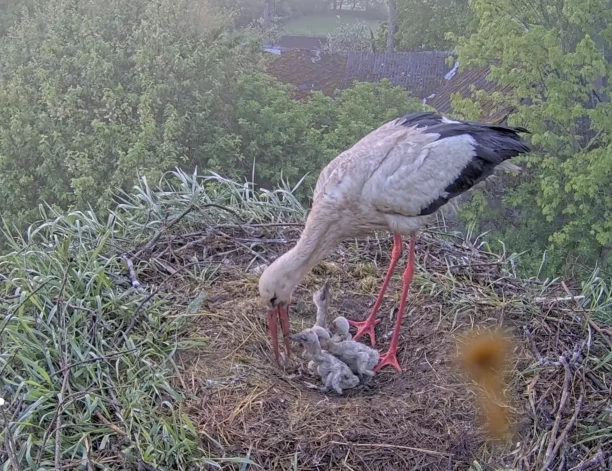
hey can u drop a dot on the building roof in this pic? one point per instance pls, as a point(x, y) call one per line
point(418, 72)
point(309, 70)
point(465, 82)
point(301, 42)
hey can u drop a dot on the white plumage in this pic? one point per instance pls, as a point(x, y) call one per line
point(395, 179)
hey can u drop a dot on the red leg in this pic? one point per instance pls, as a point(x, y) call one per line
point(367, 326)
point(390, 358)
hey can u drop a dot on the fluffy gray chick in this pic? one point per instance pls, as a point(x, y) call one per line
point(334, 373)
point(360, 358)
point(340, 329)
point(321, 300)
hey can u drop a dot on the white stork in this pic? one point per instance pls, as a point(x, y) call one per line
point(394, 179)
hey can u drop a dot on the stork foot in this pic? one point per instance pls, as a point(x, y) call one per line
point(389, 358)
point(365, 327)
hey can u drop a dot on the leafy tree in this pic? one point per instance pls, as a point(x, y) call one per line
point(555, 56)
point(95, 94)
point(11, 11)
point(350, 37)
point(422, 25)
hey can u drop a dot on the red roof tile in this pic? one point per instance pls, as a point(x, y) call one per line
point(464, 83)
point(309, 71)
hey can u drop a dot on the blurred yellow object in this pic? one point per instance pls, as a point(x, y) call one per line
point(484, 359)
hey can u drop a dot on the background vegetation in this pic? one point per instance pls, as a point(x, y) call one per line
point(99, 98)
point(95, 94)
point(556, 59)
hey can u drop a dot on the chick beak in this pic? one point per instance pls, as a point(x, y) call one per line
point(274, 316)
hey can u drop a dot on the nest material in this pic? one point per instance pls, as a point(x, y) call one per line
point(426, 417)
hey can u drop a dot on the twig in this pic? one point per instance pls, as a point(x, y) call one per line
point(132, 323)
point(188, 245)
point(249, 249)
point(558, 300)
point(470, 265)
point(268, 224)
point(597, 459)
point(399, 447)
point(146, 466)
point(541, 359)
point(10, 442)
point(592, 323)
point(563, 436)
point(218, 206)
point(133, 278)
point(93, 360)
point(110, 425)
point(164, 228)
point(562, 403)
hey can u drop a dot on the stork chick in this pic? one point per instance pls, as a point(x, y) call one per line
point(340, 329)
point(360, 358)
point(334, 373)
point(321, 301)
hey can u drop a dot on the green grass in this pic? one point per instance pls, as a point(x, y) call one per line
point(86, 352)
point(322, 24)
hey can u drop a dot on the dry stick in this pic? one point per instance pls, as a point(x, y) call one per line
point(10, 443)
point(591, 322)
point(93, 360)
point(147, 299)
point(60, 397)
point(133, 278)
point(562, 403)
point(399, 447)
point(563, 435)
point(50, 430)
point(541, 359)
point(597, 459)
point(164, 228)
point(110, 425)
point(266, 224)
point(558, 300)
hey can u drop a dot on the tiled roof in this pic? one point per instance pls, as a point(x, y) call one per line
point(309, 71)
point(301, 42)
point(463, 83)
point(418, 72)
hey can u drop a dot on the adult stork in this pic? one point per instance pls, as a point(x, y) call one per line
point(394, 179)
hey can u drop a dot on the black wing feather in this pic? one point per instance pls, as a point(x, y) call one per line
point(493, 145)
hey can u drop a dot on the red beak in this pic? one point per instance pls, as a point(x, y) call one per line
point(274, 316)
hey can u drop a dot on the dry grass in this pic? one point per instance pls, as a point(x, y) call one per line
point(136, 341)
point(427, 417)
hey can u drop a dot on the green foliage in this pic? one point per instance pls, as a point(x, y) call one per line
point(96, 94)
point(553, 55)
point(88, 360)
point(11, 11)
point(350, 37)
point(422, 25)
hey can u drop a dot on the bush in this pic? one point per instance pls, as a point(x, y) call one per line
point(96, 94)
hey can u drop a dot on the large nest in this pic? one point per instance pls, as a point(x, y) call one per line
point(427, 416)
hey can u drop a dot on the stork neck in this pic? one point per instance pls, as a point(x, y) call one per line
point(317, 240)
